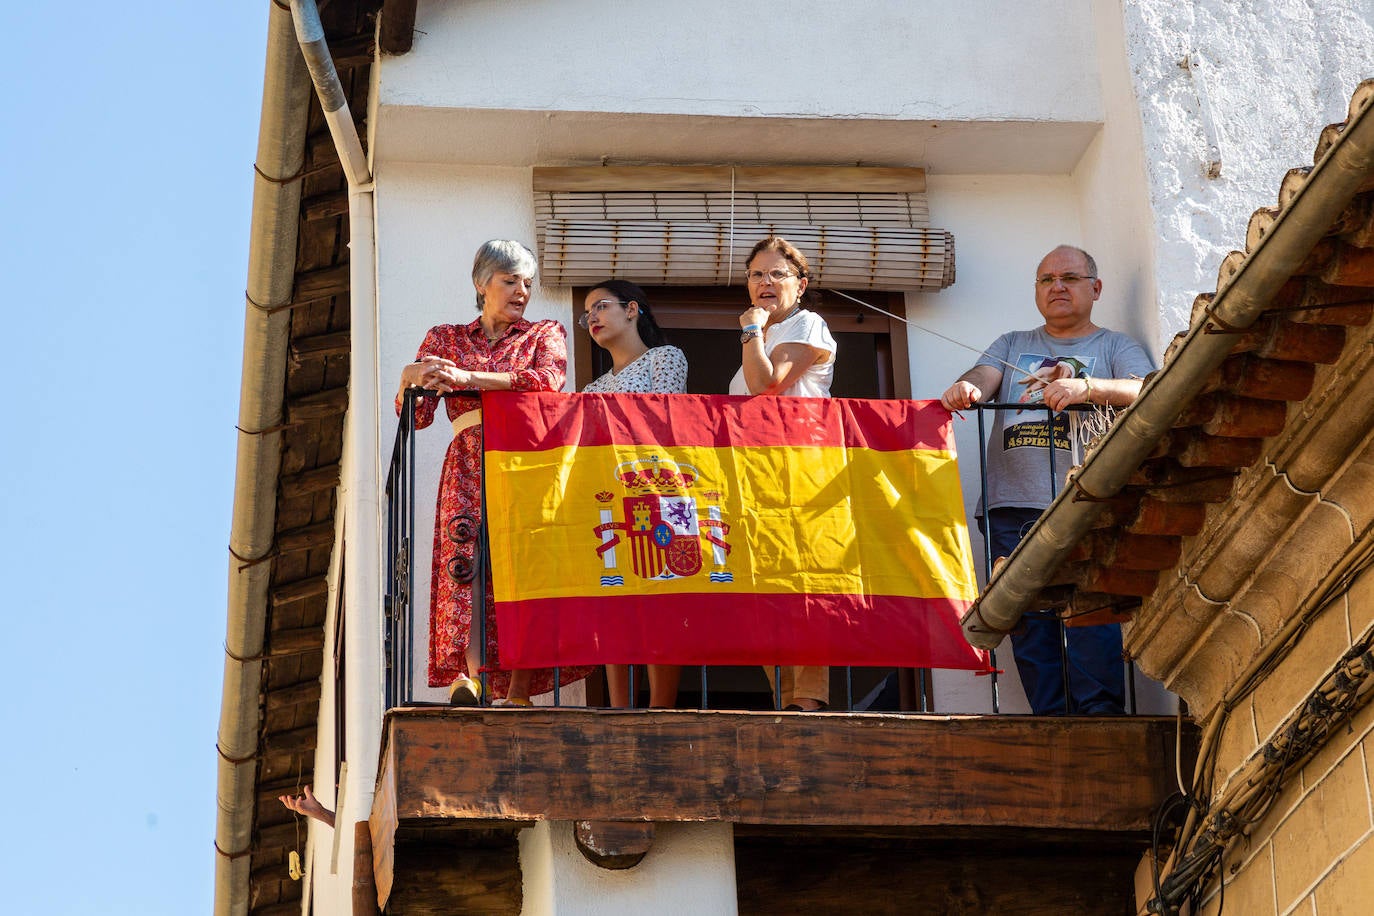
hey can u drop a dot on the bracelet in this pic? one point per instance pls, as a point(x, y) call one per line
point(747, 336)
point(751, 327)
point(1089, 382)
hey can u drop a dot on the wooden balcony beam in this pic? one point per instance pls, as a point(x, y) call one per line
point(446, 765)
point(456, 785)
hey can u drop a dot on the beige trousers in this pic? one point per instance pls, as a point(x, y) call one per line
point(809, 681)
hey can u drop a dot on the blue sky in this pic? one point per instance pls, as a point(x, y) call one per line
point(129, 136)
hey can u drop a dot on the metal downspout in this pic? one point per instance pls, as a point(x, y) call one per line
point(271, 278)
point(360, 488)
point(333, 98)
point(1328, 190)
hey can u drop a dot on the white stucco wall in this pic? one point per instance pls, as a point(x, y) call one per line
point(942, 84)
point(1273, 73)
point(1131, 188)
point(725, 58)
point(1109, 184)
point(690, 869)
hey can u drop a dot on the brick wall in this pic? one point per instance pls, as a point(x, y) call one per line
point(1312, 853)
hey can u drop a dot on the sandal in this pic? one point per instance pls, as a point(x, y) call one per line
point(465, 692)
point(511, 703)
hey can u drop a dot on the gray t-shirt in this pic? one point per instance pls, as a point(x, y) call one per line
point(1018, 453)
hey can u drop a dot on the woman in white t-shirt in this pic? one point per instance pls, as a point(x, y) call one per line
point(616, 313)
point(787, 350)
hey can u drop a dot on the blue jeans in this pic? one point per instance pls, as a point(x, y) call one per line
point(1097, 682)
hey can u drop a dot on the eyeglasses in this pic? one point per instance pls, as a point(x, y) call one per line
point(777, 275)
point(596, 308)
point(1048, 280)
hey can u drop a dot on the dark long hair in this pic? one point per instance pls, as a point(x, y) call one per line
point(628, 292)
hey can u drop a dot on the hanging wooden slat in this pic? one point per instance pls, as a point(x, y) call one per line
point(862, 179)
point(856, 209)
point(702, 254)
point(861, 228)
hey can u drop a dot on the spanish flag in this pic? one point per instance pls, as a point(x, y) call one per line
point(698, 529)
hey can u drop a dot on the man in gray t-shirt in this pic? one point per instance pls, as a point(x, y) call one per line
point(1067, 360)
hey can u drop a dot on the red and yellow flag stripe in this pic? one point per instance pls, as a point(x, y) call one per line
point(721, 530)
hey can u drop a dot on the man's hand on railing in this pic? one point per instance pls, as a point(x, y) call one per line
point(961, 396)
point(968, 389)
point(1063, 392)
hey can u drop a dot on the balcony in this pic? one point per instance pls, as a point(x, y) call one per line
point(899, 810)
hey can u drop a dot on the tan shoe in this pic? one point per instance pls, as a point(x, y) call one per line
point(465, 692)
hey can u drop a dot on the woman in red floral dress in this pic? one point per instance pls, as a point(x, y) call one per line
point(499, 351)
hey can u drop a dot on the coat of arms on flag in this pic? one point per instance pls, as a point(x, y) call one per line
point(661, 524)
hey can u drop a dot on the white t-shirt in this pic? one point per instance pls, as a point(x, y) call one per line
point(806, 327)
point(662, 369)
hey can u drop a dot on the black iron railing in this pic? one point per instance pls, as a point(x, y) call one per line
point(399, 621)
point(398, 617)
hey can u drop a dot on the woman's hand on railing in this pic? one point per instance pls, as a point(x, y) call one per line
point(431, 372)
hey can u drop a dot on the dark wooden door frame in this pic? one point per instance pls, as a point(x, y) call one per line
point(718, 307)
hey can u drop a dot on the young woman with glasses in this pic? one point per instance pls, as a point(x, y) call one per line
point(616, 314)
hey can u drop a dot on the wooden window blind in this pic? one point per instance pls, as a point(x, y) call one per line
point(860, 228)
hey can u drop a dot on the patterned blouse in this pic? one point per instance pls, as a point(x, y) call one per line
point(662, 369)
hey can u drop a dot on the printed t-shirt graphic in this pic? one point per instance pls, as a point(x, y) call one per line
point(1036, 371)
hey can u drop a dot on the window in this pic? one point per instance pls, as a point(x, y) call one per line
point(871, 360)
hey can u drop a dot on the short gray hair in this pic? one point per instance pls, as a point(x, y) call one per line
point(501, 256)
point(1088, 261)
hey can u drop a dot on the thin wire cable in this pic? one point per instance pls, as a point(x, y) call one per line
point(730, 248)
point(921, 327)
point(1178, 750)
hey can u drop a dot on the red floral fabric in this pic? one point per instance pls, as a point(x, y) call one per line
point(537, 354)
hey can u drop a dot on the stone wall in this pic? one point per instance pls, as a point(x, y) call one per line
point(1311, 852)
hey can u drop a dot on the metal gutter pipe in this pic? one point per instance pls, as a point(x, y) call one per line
point(1238, 304)
point(271, 278)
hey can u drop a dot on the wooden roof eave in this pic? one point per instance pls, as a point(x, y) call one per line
point(1248, 286)
point(1266, 562)
point(297, 357)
